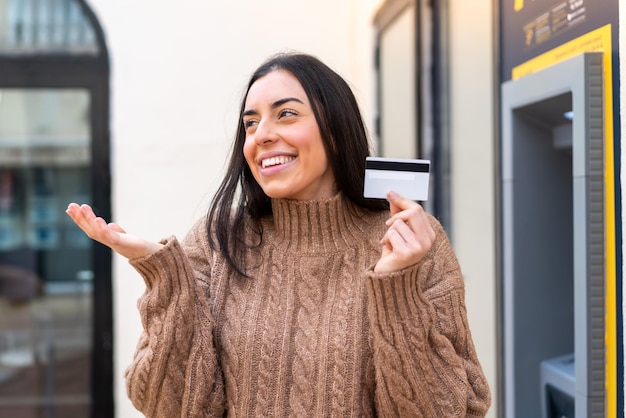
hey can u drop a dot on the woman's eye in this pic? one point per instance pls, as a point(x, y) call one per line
point(287, 112)
point(247, 124)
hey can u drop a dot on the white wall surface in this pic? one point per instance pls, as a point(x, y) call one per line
point(397, 95)
point(472, 121)
point(178, 73)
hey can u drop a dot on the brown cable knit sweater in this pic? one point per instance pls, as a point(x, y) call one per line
point(315, 333)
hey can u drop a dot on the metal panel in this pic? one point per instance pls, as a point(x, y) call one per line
point(534, 205)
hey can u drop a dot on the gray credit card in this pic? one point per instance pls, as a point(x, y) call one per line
point(408, 177)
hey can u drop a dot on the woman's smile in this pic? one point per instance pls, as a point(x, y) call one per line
point(274, 161)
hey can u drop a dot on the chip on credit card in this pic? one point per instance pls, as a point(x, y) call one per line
point(408, 177)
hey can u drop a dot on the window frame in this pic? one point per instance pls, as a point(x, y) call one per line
point(90, 72)
point(432, 130)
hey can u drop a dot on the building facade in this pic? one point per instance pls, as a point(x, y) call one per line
point(150, 93)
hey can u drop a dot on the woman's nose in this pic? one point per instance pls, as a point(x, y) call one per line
point(265, 133)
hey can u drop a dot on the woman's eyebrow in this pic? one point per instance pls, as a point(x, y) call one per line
point(274, 105)
point(281, 102)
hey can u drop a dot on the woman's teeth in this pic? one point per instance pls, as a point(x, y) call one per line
point(268, 162)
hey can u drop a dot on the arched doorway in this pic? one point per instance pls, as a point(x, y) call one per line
point(55, 284)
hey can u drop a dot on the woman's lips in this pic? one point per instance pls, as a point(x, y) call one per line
point(274, 161)
point(276, 164)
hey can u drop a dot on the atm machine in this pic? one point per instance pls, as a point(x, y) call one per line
point(553, 255)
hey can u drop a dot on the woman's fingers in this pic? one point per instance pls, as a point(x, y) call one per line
point(78, 215)
point(93, 226)
point(409, 237)
point(409, 212)
point(116, 228)
point(399, 203)
point(406, 242)
point(110, 234)
point(87, 220)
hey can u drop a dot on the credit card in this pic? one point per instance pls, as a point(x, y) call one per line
point(408, 177)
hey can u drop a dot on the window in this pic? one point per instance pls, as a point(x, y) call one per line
point(412, 93)
point(55, 284)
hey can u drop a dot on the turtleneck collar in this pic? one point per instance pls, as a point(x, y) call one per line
point(320, 226)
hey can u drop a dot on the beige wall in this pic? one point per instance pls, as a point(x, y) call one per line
point(472, 114)
point(178, 72)
point(397, 93)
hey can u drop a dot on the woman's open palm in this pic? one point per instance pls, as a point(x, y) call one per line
point(110, 234)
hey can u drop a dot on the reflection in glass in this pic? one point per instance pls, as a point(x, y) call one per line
point(44, 27)
point(45, 260)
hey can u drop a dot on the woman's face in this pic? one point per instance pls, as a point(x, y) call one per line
point(283, 145)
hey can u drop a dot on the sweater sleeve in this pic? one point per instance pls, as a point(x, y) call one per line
point(175, 371)
point(425, 361)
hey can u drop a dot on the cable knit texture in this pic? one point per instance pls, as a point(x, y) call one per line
point(314, 333)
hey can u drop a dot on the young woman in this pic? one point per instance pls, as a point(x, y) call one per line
point(296, 296)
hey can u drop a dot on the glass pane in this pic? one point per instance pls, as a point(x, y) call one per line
point(45, 260)
point(45, 26)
